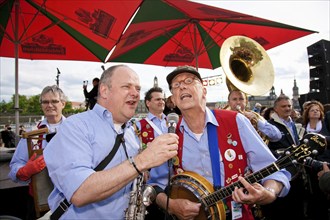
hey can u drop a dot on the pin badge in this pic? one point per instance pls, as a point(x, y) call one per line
point(230, 155)
point(229, 140)
point(145, 134)
point(234, 176)
point(147, 126)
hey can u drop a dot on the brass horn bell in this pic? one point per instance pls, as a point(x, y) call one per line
point(246, 65)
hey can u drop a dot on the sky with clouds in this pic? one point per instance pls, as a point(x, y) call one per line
point(290, 60)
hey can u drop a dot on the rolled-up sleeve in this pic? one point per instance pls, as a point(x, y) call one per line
point(259, 155)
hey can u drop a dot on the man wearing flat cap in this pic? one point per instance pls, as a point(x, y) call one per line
point(217, 146)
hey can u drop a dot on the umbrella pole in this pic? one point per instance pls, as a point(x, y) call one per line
point(195, 45)
point(16, 106)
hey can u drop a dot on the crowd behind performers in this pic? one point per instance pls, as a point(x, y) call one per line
point(315, 118)
point(311, 198)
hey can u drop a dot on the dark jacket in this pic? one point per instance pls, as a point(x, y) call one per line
point(91, 96)
point(8, 138)
point(287, 137)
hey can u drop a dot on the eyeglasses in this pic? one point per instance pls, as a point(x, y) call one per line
point(186, 81)
point(53, 102)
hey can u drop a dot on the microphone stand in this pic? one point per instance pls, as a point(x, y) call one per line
point(168, 190)
point(173, 119)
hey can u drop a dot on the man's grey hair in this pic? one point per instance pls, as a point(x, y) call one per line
point(280, 98)
point(55, 90)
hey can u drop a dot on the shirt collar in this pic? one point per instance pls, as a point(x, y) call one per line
point(105, 114)
point(152, 116)
point(209, 118)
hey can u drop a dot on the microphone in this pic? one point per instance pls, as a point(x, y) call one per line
point(102, 67)
point(172, 121)
point(58, 71)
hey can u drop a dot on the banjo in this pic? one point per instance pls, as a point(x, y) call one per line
point(192, 186)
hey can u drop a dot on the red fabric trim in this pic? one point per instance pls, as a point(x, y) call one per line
point(178, 164)
point(227, 126)
point(147, 132)
point(38, 145)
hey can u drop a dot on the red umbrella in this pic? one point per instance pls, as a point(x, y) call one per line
point(173, 33)
point(63, 30)
point(83, 30)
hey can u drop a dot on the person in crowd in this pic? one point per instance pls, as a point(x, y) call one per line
point(268, 113)
point(153, 125)
point(327, 115)
point(85, 139)
point(324, 179)
point(237, 101)
point(293, 204)
point(313, 118)
point(257, 108)
point(21, 130)
point(238, 143)
point(296, 116)
point(91, 96)
point(8, 137)
point(22, 165)
point(304, 107)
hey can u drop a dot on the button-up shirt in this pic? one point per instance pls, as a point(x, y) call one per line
point(81, 143)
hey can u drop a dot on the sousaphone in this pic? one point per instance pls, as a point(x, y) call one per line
point(246, 65)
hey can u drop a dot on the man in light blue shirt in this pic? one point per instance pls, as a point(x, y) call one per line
point(190, 96)
point(22, 165)
point(154, 124)
point(85, 139)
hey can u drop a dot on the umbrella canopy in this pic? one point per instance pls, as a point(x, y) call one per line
point(84, 30)
point(174, 33)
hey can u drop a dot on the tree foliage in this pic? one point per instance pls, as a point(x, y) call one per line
point(31, 106)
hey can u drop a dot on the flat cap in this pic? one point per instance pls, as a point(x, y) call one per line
point(182, 69)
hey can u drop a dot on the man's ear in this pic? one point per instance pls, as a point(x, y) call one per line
point(147, 103)
point(103, 91)
point(204, 91)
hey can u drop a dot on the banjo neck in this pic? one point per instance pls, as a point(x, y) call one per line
point(225, 192)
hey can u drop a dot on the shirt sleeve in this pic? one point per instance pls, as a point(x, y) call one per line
point(271, 131)
point(69, 157)
point(258, 154)
point(19, 159)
